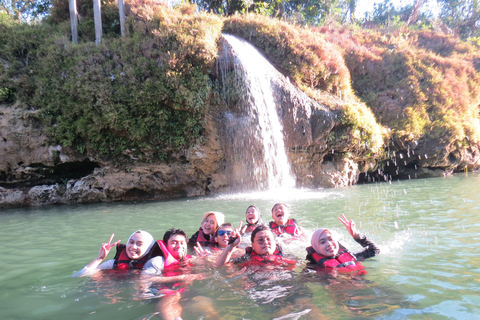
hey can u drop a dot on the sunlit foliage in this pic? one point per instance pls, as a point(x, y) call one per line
point(422, 85)
point(318, 67)
point(143, 96)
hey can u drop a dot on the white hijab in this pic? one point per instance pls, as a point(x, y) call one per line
point(147, 240)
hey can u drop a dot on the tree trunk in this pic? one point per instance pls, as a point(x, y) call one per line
point(121, 11)
point(352, 4)
point(74, 20)
point(415, 12)
point(97, 14)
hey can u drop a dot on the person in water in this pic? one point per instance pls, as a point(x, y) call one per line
point(174, 265)
point(169, 253)
point(263, 251)
point(268, 269)
point(222, 237)
point(283, 224)
point(253, 218)
point(133, 255)
point(327, 252)
point(209, 225)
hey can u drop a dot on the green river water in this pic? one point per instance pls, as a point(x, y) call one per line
point(429, 268)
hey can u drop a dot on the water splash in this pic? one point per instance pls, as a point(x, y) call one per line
point(256, 133)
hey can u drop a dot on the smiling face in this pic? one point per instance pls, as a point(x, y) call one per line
point(177, 246)
point(280, 214)
point(223, 234)
point(264, 243)
point(252, 215)
point(136, 246)
point(327, 245)
point(209, 224)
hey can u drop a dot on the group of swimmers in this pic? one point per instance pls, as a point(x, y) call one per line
point(164, 259)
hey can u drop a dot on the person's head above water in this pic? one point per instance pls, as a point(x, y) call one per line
point(138, 244)
point(223, 234)
point(280, 213)
point(210, 222)
point(176, 242)
point(263, 240)
point(324, 243)
point(252, 215)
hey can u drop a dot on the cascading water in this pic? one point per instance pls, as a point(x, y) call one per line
point(256, 140)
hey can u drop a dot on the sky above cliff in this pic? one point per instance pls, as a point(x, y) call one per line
point(364, 6)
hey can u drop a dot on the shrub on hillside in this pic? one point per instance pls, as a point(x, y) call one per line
point(143, 95)
point(304, 56)
point(318, 67)
point(419, 84)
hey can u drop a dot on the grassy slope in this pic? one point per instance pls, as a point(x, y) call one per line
point(422, 85)
point(146, 94)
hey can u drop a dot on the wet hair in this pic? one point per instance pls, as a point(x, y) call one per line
point(226, 224)
point(261, 227)
point(279, 204)
point(173, 232)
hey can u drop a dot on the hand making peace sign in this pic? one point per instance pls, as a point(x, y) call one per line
point(105, 248)
point(350, 225)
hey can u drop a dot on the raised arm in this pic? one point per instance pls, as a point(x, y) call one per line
point(370, 248)
point(225, 256)
point(102, 254)
point(350, 225)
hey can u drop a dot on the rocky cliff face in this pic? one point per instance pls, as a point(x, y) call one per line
point(32, 172)
point(35, 172)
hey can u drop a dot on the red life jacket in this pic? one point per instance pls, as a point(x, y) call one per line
point(123, 262)
point(290, 227)
point(275, 259)
point(344, 261)
point(203, 240)
point(172, 266)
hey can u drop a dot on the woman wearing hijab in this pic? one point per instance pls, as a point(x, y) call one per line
point(253, 218)
point(132, 255)
point(327, 252)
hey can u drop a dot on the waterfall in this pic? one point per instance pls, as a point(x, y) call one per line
point(252, 124)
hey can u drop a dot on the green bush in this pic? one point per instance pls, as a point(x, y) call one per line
point(144, 95)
